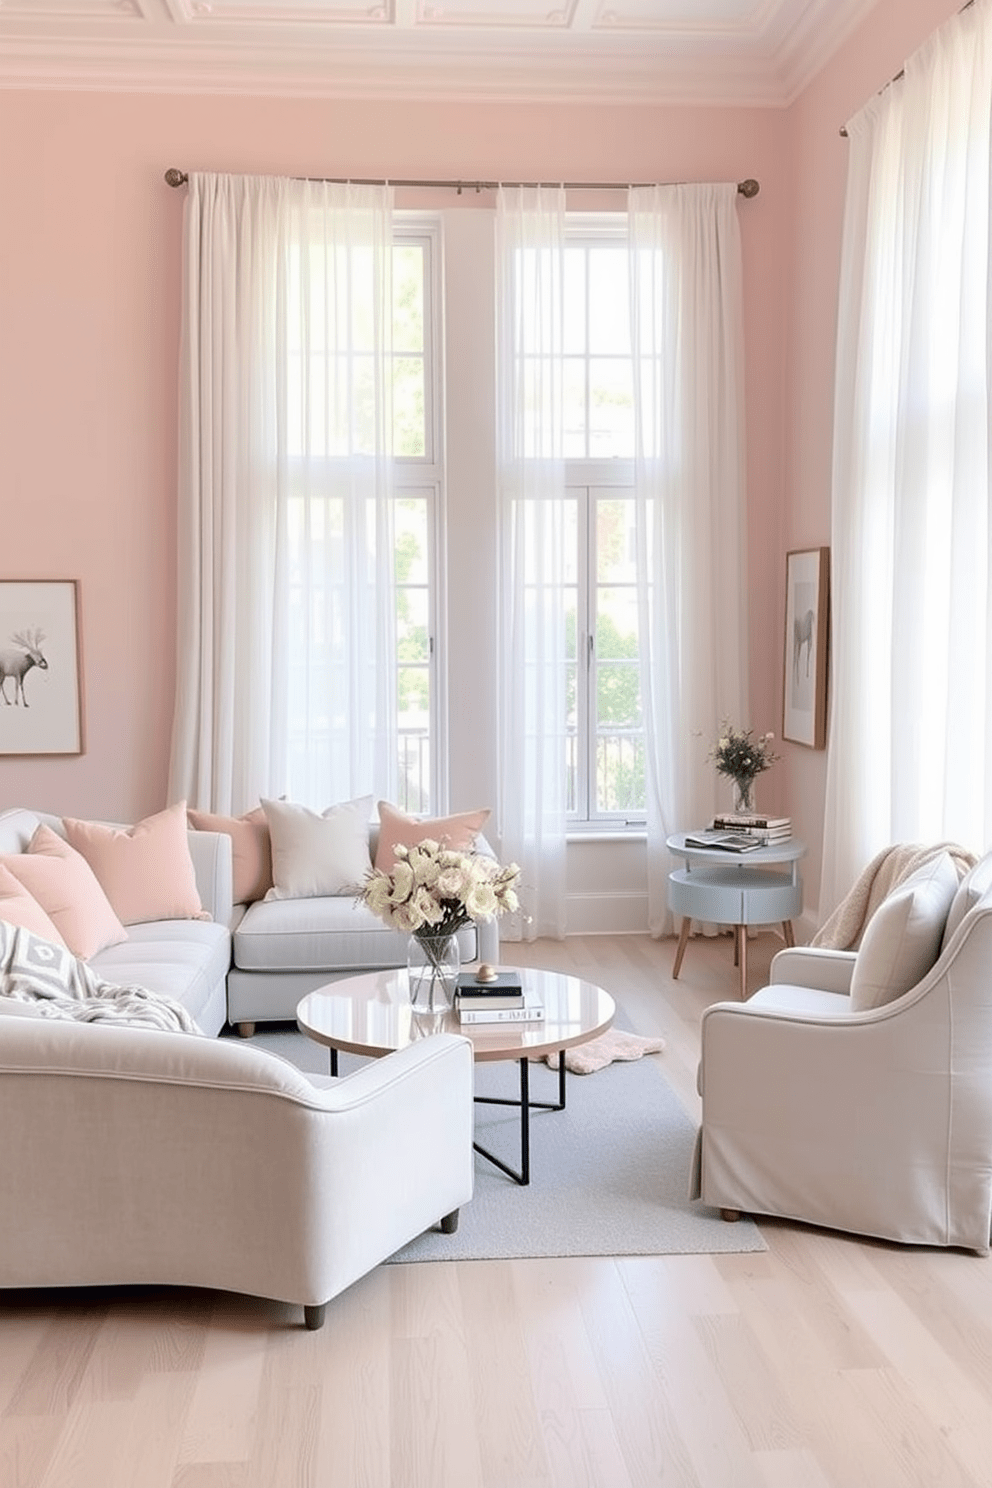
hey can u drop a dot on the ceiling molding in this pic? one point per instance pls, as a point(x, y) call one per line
point(761, 53)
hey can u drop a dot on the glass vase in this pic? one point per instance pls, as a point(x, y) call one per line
point(433, 963)
point(744, 795)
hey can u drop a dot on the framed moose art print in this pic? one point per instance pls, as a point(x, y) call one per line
point(40, 708)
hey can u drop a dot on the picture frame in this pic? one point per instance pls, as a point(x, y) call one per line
point(40, 692)
point(807, 612)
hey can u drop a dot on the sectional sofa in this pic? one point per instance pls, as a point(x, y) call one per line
point(133, 1155)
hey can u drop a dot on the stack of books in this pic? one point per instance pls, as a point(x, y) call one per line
point(768, 830)
point(499, 1000)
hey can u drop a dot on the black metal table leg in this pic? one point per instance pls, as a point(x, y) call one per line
point(522, 1175)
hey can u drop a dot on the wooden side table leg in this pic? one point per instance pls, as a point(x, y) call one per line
point(787, 934)
point(680, 951)
point(741, 932)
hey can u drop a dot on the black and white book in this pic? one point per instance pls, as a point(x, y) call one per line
point(496, 1000)
point(731, 821)
point(503, 984)
point(527, 1012)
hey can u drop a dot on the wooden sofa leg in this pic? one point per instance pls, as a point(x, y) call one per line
point(730, 1215)
point(314, 1316)
point(245, 1030)
point(449, 1223)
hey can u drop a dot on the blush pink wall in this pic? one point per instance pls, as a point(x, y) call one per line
point(818, 179)
point(89, 326)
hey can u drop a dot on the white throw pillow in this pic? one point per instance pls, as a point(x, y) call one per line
point(903, 937)
point(318, 854)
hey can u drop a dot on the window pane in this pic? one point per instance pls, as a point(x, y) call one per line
point(410, 534)
point(575, 412)
point(408, 298)
point(618, 695)
point(609, 306)
point(616, 624)
point(408, 408)
point(616, 536)
point(611, 408)
point(620, 774)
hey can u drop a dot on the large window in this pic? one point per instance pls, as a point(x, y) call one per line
point(606, 784)
point(335, 339)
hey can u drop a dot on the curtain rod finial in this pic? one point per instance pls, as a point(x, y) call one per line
point(175, 177)
point(749, 188)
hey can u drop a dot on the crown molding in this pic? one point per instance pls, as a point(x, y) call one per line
point(764, 64)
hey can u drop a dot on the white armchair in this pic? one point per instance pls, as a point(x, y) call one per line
point(136, 1156)
point(875, 1119)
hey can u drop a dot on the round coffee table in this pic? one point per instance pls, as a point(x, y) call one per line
point(371, 1015)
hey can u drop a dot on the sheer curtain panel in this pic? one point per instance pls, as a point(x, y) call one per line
point(285, 660)
point(910, 746)
point(530, 245)
point(687, 338)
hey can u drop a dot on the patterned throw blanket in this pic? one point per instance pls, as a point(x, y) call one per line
point(56, 984)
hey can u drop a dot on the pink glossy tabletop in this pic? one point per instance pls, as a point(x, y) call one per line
point(370, 1014)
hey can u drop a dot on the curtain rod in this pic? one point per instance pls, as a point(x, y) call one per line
point(902, 71)
point(746, 188)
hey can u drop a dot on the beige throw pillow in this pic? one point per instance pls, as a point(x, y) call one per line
point(903, 937)
point(318, 853)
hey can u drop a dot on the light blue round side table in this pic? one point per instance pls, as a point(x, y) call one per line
point(725, 889)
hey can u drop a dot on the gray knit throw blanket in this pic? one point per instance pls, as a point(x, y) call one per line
point(56, 984)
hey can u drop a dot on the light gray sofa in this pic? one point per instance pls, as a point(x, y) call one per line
point(284, 948)
point(132, 1155)
point(185, 959)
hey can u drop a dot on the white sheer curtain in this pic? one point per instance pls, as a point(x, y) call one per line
point(530, 243)
point(687, 338)
point(285, 661)
point(911, 719)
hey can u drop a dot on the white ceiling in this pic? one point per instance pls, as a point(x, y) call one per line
point(707, 51)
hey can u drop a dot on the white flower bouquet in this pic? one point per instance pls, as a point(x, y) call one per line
point(432, 891)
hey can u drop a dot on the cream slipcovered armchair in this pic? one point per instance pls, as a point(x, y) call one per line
point(855, 1091)
point(132, 1155)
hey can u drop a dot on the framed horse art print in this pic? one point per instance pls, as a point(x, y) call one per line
point(807, 613)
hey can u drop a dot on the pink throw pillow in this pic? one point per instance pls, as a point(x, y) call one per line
point(146, 870)
point(18, 907)
point(457, 832)
point(64, 885)
point(251, 849)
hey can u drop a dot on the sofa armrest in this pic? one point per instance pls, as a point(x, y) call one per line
point(213, 866)
point(809, 966)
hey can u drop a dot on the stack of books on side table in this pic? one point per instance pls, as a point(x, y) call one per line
point(768, 830)
point(497, 998)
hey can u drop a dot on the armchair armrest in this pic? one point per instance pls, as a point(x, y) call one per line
point(810, 966)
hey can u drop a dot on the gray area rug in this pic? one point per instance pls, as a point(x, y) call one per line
point(609, 1174)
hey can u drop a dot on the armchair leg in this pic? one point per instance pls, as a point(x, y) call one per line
point(245, 1030)
point(449, 1223)
point(314, 1316)
point(730, 1215)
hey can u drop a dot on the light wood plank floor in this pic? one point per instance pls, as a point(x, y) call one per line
point(827, 1362)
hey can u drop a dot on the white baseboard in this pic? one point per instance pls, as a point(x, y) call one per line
point(607, 914)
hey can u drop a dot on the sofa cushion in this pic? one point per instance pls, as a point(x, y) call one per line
point(63, 883)
point(146, 870)
point(318, 853)
point(184, 959)
point(331, 933)
point(18, 907)
point(395, 827)
point(250, 848)
point(903, 937)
